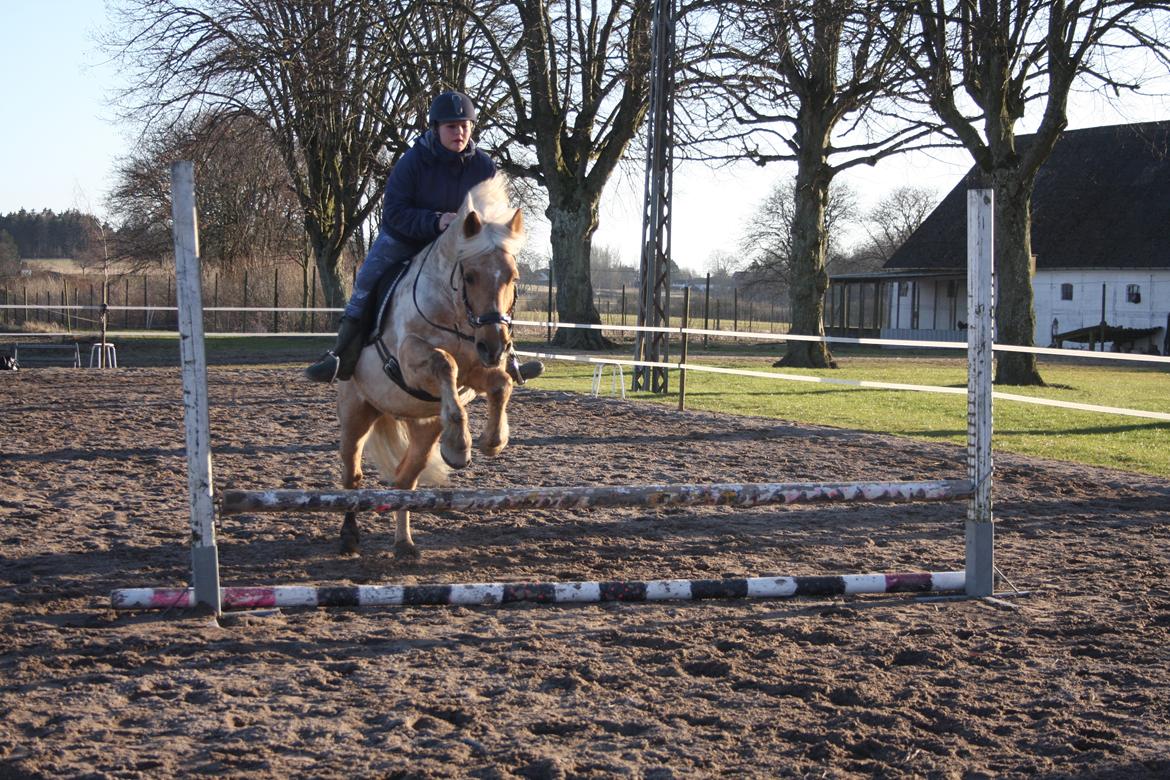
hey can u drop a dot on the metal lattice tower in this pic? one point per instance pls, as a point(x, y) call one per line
point(654, 301)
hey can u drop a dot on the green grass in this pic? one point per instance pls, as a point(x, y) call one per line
point(1128, 443)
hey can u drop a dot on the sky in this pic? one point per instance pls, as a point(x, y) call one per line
point(59, 142)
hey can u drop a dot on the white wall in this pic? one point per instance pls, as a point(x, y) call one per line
point(1085, 307)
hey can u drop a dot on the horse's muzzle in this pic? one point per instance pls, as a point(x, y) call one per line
point(491, 351)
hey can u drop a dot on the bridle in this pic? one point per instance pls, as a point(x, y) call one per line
point(473, 320)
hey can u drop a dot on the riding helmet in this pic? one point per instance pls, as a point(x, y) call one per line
point(451, 106)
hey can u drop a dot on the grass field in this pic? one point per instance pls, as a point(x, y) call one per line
point(1129, 443)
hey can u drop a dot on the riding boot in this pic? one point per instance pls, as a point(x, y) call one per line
point(519, 372)
point(339, 362)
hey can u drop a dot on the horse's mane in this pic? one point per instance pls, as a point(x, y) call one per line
point(490, 200)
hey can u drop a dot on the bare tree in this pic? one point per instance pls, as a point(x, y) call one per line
point(891, 221)
point(335, 83)
point(247, 210)
point(818, 83)
point(983, 64)
point(767, 240)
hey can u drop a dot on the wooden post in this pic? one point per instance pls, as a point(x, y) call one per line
point(313, 302)
point(682, 372)
point(275, 299)
point(204, 555)
point(244, 313)
point(548, 335)
point(980, 356)
point(707, 309)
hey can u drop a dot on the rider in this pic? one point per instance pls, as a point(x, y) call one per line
point(424, 190)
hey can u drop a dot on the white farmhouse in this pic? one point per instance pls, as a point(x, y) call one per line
point(1101, 245)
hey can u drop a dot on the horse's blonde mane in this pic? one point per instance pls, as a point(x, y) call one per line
point(489, 199)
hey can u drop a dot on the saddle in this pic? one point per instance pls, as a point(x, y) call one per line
point(374, 320)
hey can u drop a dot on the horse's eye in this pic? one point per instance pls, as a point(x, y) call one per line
point(469, 278)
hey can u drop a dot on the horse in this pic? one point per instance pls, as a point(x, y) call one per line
point(441, 344)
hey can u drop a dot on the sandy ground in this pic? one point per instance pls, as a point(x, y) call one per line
point(1073, 682)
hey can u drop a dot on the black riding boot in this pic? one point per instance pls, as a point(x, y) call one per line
point(522, 372)
point(339, 362)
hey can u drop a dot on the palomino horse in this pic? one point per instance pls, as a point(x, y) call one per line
point(448, 331)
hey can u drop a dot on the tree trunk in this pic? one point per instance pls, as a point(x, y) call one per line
point(327, 257)
point(809, 279)
point(573, 226)
point(1015, 317)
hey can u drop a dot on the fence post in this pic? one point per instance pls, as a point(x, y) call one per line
point(623, 304)
point(548, 335)
point(682, 372)
point(204, 555)
point(735, 309)
point(707, 309)
point(313, 302)
point(215, 303)
point(275, 299)
point(244, 313)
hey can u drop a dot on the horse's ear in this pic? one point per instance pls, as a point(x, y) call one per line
point(472, 224)
point(517, 223)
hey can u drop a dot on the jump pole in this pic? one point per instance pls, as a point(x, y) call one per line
point(498, 593)
point(238, 502)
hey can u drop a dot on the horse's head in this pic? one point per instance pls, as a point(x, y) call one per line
point(488, 274)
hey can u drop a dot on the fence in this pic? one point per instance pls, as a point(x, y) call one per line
point(280, 299)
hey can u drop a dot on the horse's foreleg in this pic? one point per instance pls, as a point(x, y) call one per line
point(357, 418)
point(497, 387)
point(423, 434)
point(436, 371)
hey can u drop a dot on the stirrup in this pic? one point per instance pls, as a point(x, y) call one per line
point(521, 373)
point(313, 372)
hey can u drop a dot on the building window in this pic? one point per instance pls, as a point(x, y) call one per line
point(1133, 293)
point(903, 289)
point(1066, 292)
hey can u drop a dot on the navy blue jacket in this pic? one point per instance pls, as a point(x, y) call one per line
point(426, 182)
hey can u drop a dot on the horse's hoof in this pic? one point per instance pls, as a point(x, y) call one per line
point(349, 545)
point(492, 450)
point(460, 461)
point(406, 551)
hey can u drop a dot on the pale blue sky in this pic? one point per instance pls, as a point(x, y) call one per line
point(59, 142)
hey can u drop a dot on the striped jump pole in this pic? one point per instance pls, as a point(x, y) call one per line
point(237, 502)
point(498, 593)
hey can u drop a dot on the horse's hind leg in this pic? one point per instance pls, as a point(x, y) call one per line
point(357, 418)
point(423, 434)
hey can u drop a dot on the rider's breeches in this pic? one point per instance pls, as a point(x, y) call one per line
point(385, 253)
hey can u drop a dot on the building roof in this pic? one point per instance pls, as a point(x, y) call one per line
point(1102, 200)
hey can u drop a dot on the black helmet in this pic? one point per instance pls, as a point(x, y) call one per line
point(451, 107)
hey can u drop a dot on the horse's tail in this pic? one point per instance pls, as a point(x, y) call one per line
point(387, 445)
